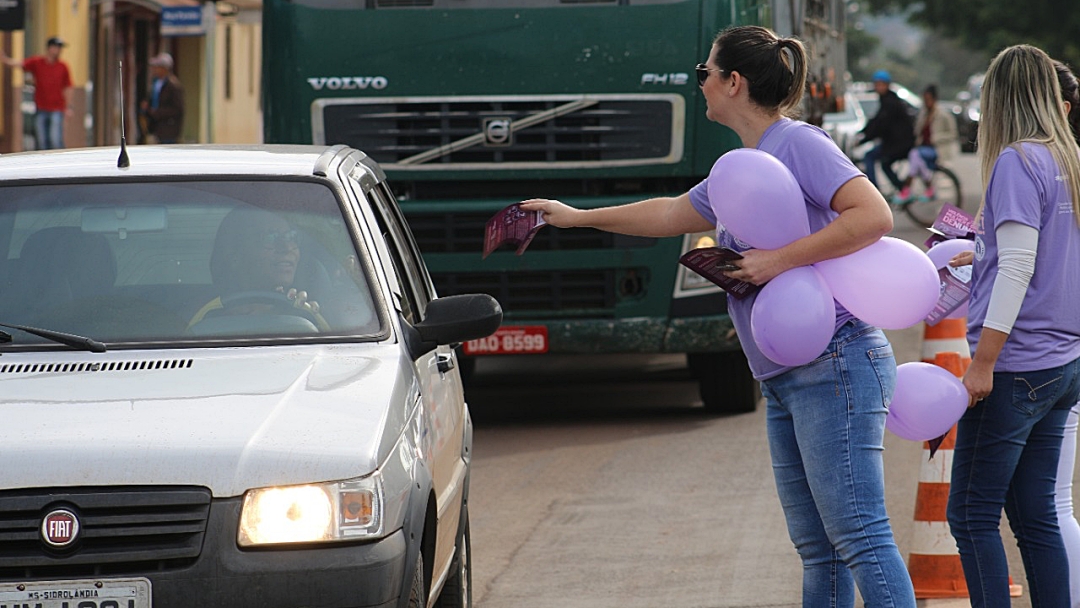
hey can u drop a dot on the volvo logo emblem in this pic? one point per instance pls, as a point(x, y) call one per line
point(59, 528)
point(497, 132)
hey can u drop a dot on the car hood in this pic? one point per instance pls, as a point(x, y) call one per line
point(226, 419)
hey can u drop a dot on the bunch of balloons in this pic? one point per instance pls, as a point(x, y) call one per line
point(890, 284)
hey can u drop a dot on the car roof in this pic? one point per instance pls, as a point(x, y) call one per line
point(174, 161)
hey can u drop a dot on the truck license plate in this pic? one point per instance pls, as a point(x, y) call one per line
point(104, 593)
point(511, 340)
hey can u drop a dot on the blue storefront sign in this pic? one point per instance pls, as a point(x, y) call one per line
point(182, 21)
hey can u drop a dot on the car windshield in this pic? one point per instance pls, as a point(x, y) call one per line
point(180, 261)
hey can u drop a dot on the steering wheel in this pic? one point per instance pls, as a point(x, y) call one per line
point(278, 301)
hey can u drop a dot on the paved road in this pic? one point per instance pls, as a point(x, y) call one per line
point(598, 482)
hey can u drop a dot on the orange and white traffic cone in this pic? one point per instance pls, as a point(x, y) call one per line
point(934, 561)
point(948, 336)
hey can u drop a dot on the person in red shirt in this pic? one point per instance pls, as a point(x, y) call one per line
point(52, 92)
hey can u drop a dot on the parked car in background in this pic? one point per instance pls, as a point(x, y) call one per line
point(844, 125)
point(226, 379)
point(966, 110)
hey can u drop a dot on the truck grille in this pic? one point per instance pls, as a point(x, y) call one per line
point(569, 292)
point(121, 531)
point(563, 293)
point(520, 132)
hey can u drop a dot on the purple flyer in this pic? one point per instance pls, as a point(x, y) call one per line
point(952, 222)
point(512, 225)
point(712, 262)
point(955, 290)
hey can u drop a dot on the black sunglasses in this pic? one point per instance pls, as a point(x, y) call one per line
point(703, 73)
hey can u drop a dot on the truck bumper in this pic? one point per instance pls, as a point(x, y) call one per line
point(713, 333)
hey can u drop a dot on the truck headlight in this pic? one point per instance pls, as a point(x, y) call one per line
point(688, 282)
point(346, 510)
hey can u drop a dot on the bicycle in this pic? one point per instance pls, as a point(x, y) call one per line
point(925, 201)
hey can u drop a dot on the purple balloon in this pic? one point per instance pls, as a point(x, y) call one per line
point(891, 284)
point(940, 255)
point(794, 317)
point(757, 199)
point(927, 403)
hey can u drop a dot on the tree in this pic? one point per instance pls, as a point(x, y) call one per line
point(991, 25)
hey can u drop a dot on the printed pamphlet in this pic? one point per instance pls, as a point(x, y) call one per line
point(712, 263)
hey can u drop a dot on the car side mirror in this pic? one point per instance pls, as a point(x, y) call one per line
point(453, 319)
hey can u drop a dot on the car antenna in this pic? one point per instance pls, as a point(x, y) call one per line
point(123, 162)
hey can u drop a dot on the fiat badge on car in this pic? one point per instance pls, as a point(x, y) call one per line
point(60, 528)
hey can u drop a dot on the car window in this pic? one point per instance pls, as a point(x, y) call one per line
point(412, 272)
point(169, 262)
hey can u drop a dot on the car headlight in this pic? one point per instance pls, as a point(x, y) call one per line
point(346, 510)
point(688, 282)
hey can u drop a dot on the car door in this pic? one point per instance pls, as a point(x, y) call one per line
point(444, 412)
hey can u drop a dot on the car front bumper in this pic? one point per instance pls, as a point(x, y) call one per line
point(331, 575)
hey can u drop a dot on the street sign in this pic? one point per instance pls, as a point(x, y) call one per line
point(12, 15)
point(181, 21)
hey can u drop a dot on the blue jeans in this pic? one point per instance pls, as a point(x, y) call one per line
point(50, 130)
point(1006, 455)
point(875, 155)
point(826, 424)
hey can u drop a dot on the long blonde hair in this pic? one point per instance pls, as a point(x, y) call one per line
point(1021, 102)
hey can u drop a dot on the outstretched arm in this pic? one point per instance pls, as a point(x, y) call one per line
point(15, 63)
point(656, 217)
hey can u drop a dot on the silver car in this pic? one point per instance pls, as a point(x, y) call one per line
point(226, 379)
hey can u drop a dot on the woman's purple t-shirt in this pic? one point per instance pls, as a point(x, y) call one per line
point(1026, 186)
point(821, 169)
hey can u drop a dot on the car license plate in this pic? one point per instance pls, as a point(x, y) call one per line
point(511, 340)
point(103, 593)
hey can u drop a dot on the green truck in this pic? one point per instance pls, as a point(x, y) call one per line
point(472, 105)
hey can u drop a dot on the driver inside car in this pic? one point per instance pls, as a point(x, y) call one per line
point(254, 262)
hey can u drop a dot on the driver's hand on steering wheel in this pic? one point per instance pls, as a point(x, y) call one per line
point(300, 299)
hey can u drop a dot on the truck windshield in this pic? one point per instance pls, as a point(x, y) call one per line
point(167, 262)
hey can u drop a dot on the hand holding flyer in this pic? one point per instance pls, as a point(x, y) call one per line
point(712, 263)
point(512, 225)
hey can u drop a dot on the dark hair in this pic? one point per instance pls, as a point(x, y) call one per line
point(1070, 92)
point(932, 90)
point(776, 79)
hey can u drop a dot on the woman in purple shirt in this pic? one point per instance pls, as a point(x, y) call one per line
point(826, 419)
point(1024, 332)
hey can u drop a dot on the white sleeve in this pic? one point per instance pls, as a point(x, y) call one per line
point(1017, 244)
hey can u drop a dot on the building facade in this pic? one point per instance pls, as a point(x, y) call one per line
point(216, 47)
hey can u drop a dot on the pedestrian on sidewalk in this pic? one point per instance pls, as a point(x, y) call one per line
point(826, 419)
point(164, 110)
point(52, 92)
point(1024, 332)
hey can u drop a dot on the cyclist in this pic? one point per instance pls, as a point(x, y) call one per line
point(893, 126)
point(936, 138)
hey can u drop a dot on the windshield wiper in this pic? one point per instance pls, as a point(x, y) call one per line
point(71, 340)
